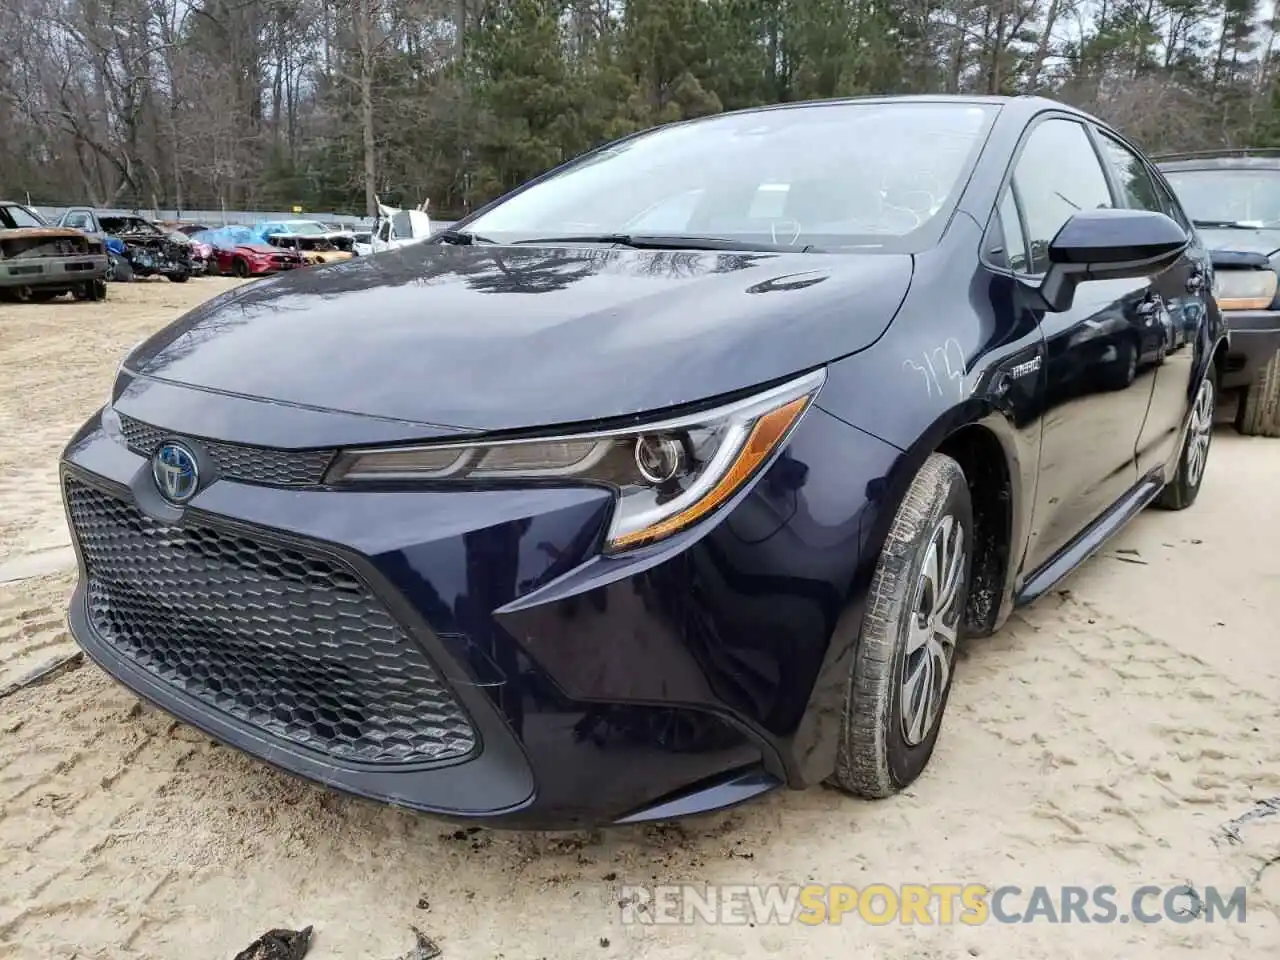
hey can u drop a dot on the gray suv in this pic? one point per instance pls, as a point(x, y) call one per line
point(1234, 198)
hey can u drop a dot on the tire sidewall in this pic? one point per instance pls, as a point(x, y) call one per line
point(1190, 491)
point(905, 761)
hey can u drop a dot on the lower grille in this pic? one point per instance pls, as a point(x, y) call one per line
point(287, 641)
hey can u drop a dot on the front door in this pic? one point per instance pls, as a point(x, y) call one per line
point(1095, 385)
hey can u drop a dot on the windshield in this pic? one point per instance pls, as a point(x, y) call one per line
point(226, 236)
point(15, 217)
point(127, 225)
point(1229, 196)
point(304, 228)
point(864, 174)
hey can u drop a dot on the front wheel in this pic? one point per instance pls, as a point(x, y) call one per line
point(120, 270)
point(901, 674)
point(180, 277)
point(240, 268)
point(1181, 492)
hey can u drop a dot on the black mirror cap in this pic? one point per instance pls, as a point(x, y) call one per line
point(1109, 244)
point(1114, 244)
point(1238, 260)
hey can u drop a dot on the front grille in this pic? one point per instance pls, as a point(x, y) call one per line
point(262, 465)
point(290, 642)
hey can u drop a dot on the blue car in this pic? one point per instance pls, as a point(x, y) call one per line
point(672, 477)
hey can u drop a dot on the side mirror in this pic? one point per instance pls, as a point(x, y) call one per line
point(1109, 244)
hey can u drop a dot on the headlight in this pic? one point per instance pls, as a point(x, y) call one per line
point(667, 475)
point(1244, 289)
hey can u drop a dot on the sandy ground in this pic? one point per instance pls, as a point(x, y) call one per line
point(1105, 736)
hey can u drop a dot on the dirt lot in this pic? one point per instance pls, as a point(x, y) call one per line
point(1108, 735)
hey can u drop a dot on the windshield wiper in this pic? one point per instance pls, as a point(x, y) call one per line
point(461, 238)
point(1230, 224)
point(642, 242)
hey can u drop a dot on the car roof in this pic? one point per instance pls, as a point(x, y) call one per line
point(1243, 158)
point(1025, 106)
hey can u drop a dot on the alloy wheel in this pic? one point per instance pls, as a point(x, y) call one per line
point(931, 638)
point(1200, 433)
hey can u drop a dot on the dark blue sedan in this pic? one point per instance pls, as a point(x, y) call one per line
point(672, 477)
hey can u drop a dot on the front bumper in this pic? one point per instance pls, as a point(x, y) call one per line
point(576, 690)
point(52, 271)
point(1255, 338)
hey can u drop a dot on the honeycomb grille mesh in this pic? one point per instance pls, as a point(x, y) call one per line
point(289, 642)
point(261, 465)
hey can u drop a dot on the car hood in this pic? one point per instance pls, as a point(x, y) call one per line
point(484, 339)
point(1265, 242)
point(29, 233)
point(258, 248)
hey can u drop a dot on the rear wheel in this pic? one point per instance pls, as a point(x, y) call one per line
point(182, 277)
point(901, 674)
point(1181, 492)
point(1259, 411)
point(1120, 373)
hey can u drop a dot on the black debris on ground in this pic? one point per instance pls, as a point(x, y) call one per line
point(1230, 830)
point(278, 945)
point(423, 949)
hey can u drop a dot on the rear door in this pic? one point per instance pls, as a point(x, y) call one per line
point(1182, 291)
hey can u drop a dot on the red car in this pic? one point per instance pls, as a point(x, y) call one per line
point(237, 253)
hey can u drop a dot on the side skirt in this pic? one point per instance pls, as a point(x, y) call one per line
point(1089, 540)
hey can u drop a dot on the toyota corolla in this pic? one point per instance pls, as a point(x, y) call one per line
point(670, 478)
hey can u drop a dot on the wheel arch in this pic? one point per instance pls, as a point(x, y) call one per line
point(1001, 485)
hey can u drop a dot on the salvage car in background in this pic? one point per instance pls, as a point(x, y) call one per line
point(1234, 198)
point(237, 251)
point(150, 250)
point(398, 228)
point(315, 241)
point(362, 242)
point(40, 262)
point(676, 516)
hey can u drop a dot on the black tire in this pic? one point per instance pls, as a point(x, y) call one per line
point(1120, 373)
point(876, 757)
point(240, 267)
point(121, 269)
point(98, 289)
point(1259, 412)
point(180, 277)
point(1181, 492)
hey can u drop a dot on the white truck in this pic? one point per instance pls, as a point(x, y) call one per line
point(396, 228)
